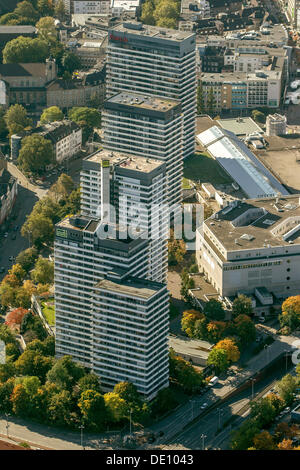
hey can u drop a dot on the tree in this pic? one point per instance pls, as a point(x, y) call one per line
point(92, 407)
point(24, 50)
point(258, 116)
point(26, 11)
point(46, 347)
point(215, 331)
point(6, 390)
point(39, 229)
point(7, 371)
point(147, 13)
point(263, 411)
point(213, 310)
point(19, 399)
point(218, 359)
point(245, 329)
point(16, 119)
point(60, 406)
point(290, 315)
point(242, 438)
point(65, 373)
point(54, 113)
point(163, 402)
point(47, 30)
point(188, 321)
point(71, 62)
point(286, 444)
point(166, 9)
point(263, 441)
point(27, 258)
point(43, 271)
point(86, 118)
point(128, 392)
point(63, 187)
point(286, 387)
point(89, 382)
point(18, 272)
point(33, 363)
point(183, 373)
point(7, 294)
point(242, 305)
point(45, 7)
point(36, 154)
point(233, 353)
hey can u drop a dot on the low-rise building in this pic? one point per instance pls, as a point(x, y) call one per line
point(275, 124)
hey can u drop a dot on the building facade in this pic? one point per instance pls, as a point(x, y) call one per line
point(253, 244)
point(156, 61)
point(136, 188)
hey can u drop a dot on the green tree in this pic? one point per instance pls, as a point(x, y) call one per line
point(6, 390)
point(33, 363)
point(54, 113)
point(47, 30)
point(245, 329)
point(39, 229)
point(116, 406)
point(89, 382)
point(167, 10)
point(27, 258)
point(242, 438)
point(258, 116)
point(7, 371)
point(24, 50)
point(147, 12)
point(26, 12)
point(71, 62)
point(218, 359)
point(43, 271)
point(213, 310)
point(286, 387)
point(36, 154)
point(92, 407)
point(45, 7)
point(263, 411)
point(19, 399)
point(16, 119)
point(86, 118)
point(65, 373)
point(128, 392)
point(60, 406)
point(182, 372)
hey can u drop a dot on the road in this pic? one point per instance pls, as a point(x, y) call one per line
point(208, 425)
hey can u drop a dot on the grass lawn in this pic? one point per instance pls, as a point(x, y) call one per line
point(201, 166)
point(49, 311)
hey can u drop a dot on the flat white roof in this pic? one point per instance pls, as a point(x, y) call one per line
point(240, 163)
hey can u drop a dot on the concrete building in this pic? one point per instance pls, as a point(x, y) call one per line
point(293, 11)
point(155, 61)
point(276, 124)
point(137, 350)
point(105, 309)
point(253, 244)
point(136, 187)
point(87, 89)
point(65, 136)
point(150, 127)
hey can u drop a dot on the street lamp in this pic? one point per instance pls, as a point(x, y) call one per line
point(81, 427)
point(130, 413)
point(7, 423)
point(203, 436)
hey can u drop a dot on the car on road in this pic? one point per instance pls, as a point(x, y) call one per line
point(5, 235)
point(261, 319)
point(203, 406)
